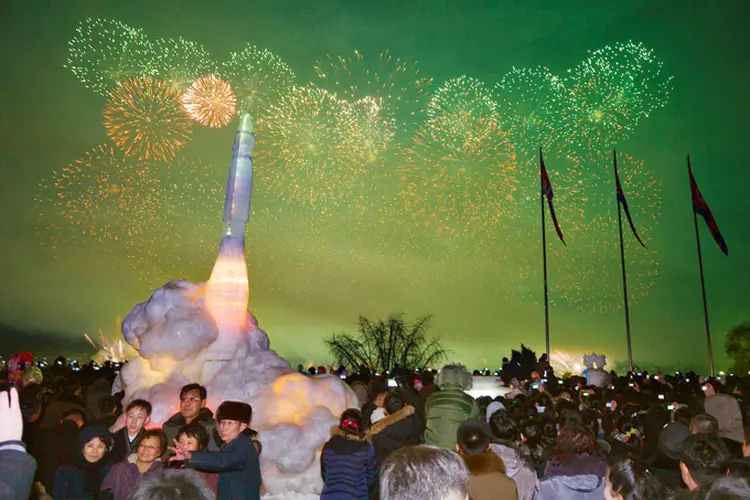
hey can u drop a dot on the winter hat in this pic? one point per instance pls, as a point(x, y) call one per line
point(671, 438)
point(234, 410)
point(92, 431)
point(493, 407)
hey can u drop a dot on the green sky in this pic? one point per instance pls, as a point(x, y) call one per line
point(310, 278)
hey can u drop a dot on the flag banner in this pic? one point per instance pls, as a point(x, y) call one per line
point(700, 207)
point(547, 191)
point(621, 199)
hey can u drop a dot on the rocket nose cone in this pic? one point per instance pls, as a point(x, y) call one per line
point(246, 123)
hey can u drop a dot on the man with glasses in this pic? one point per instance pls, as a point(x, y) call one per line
point(192, 410)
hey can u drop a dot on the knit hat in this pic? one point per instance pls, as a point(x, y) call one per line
point(671, 438)
point(234, 410)
point(493, 407)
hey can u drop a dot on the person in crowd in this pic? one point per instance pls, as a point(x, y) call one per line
point(428, 384)
point(125, 441)
point(378, 390)
point(237, 461)
point(746, 442)
point(348, 464)
point(192, 409)
point(535, 446)
point(17, 467)
point(63, 405)
point(665, 464)
point(515, 389)
point(726, 410)
point(125, 475)
point(703, 459)
point(172, 484)
point(629, 479)
point(400, 427)
point(448, 407)
point(504, 432)
point(83, 478)
point(424, 472)
point(704, 423)
point(487, 471)
point(729, 488)
point(107, 408)
point(575, 469)
point(193, 437)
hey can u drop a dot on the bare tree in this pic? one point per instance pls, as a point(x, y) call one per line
point(737, 347)
point(384, 345)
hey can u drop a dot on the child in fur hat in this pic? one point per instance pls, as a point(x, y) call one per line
point(237, 461)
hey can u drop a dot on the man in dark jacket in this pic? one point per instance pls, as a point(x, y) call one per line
point(16, 466)
point(125, 441)
point(192, 409)
point(401, 427)
point(237, 462)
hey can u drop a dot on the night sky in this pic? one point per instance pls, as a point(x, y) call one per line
point(317, 261)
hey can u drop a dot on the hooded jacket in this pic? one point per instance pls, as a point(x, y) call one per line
point(583, 487)
point(448, 407)
point(348, 467)
point(70, 480)
point(394, 432)
point(124, 476)
point(205, 418)
point(238, 466)
point(516, 468)
point(488, 480)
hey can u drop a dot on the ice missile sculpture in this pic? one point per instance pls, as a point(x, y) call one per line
point(228, 289)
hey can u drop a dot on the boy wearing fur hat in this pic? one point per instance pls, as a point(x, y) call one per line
point(237, 461)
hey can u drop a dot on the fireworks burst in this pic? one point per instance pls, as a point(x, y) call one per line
point(180, 62)
point(610, 93)
point(529, 106)
point(258, 77)
point(367, 135)
point(299, 155)
point(104, 52)
point(113, 350)
point(210, 101)
point(102, 197)
point(459, 175)
point(401, 90)
point(145, 118)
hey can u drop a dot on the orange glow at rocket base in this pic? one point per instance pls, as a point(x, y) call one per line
point(228, 291)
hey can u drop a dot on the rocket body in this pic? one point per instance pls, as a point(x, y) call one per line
point(240, 181)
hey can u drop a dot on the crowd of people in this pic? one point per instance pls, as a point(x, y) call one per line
point(417, 435)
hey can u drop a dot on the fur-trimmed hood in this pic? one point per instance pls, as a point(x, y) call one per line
point(403, 413)
point(336, 431)
point(484, 463)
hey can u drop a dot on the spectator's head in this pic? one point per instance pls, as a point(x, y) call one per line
point(137, 415)
point(574, 441)
point(503, 427)
point(193, 437)
point(472, 438)
point(422, 472)
point(746, 442)
point(670, 440)
point(31, 407)
point(703, 423)
point(172, 484)
point(106, 406)
point(708, 389)
point(427, 377)
point(394, 401)
point(682, 416)
point(192, 401)
point(351, 423)
point(629, 479)
point(729, 488)
point(93, 443)
point(378, 390)
point(703, 459)
point(153, 445)
point(454, 376)
point(76, 416)
point(233, 417)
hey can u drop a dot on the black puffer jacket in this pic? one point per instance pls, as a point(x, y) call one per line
point(395, 431)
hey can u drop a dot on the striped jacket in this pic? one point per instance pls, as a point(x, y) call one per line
point(348, 467)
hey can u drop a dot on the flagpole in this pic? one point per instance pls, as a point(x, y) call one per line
point(703, 287)
point(544, 256)
point(624, 273)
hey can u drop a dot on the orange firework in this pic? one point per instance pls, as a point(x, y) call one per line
point(210, 101)
point(145, 118)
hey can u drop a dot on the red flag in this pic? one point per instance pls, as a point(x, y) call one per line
point(621, 199)
point(547, 191)
point(700, 207)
